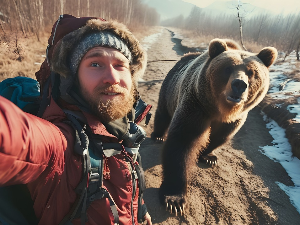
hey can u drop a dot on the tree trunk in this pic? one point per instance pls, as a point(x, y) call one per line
point(78, 9)
point(241, 30)
point(61, 7)
point(297, 52)
point(286, 55)
point(20, 17)
point(88, 7)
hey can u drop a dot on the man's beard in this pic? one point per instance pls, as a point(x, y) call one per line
point(113, 109)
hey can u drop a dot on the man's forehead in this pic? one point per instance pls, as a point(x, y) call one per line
point(104, 52)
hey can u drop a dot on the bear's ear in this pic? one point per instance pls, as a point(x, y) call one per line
point(216, 47)
point(268, 55)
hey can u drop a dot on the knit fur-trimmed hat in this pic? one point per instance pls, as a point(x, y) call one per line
point(103, 38)
point(60, 62)
point(69, 32)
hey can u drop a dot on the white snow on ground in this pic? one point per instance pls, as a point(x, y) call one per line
point(177, 35)
point(295, 109)
point(149, 40)
point(278, 77)
point(291, 87)
point(281, 150)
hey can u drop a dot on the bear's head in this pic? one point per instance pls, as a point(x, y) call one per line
point(238, 79)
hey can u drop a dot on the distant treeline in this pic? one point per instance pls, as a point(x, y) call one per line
point(33, 16)
point(280, 31)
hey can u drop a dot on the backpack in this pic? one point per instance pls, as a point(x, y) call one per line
point(16, 205)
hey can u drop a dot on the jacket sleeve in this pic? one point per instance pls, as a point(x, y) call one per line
point(29, 146)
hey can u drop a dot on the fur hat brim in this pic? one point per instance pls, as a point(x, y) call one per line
point(59, 62)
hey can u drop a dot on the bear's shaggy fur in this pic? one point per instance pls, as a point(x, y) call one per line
point(204, 101)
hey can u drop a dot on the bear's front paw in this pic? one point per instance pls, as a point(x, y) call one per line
point(209, 159)
point(175, 203)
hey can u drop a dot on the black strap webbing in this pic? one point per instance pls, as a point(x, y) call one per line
point(81, 147)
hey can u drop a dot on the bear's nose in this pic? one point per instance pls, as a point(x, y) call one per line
point(238, 86)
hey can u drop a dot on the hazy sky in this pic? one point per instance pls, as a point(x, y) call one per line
point(277, 6)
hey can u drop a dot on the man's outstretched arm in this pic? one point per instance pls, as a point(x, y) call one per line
point(28, 145)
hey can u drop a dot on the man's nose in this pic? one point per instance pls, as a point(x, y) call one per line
point(111, 76)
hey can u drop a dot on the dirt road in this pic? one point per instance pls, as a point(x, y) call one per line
point(242, 189)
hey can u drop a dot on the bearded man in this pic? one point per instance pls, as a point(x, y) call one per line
point(79, 161)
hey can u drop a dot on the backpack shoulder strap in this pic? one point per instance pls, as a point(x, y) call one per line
point(81, 147)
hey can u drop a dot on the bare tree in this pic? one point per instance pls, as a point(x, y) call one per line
point(240, 19)
point(297, 51)
point(31, 16)
point(19, 15)
point(193, 22)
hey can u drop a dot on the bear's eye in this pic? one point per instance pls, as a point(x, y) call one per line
point(250, 73)
point(228, 70)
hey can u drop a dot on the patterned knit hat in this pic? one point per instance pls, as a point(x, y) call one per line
point(69, 50)
point(102, 39)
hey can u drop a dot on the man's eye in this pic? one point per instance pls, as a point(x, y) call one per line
point(95, 64)
point(121, 65)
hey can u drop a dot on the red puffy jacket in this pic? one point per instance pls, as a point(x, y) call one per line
point(39, 152)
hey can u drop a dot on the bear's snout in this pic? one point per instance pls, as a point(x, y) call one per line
point(238, 86)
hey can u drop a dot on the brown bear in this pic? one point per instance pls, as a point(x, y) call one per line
point(204, 100)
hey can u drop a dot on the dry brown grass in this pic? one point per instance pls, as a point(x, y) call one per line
point(296, 72)
point(21, 56)
point(193, 39)
point(254, 47)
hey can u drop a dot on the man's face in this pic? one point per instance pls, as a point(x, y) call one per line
point(105, 83)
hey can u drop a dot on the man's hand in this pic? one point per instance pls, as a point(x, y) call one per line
point(147, 219)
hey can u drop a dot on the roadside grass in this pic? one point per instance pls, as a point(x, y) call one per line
point(296, 72)
point(22, 56)
point(194, 39)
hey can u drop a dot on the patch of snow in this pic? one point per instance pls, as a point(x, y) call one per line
point(281, 152)
point(149, 40)
point(282, 87)
point(291, 87)
point(178, 36)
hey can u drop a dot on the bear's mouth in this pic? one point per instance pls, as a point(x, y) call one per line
point(234, 98)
